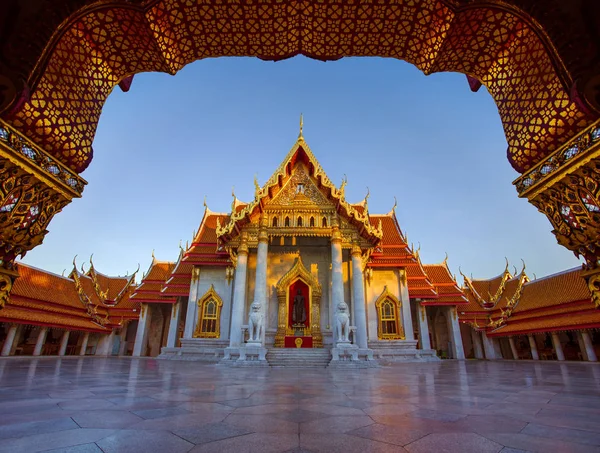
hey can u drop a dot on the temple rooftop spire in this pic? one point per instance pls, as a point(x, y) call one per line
point(300, 136)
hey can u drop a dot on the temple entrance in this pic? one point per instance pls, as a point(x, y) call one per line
point(298, 316)
point(299, 297)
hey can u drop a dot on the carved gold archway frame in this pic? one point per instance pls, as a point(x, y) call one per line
point(210, 294)
point(387, 295)
point(298, 272)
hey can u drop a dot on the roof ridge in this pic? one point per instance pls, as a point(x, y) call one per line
point(556, 274)
point(20, 263)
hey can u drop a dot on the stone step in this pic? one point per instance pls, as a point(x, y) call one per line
point(299, 358)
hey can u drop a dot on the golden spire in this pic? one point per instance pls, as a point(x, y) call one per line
point(300, 136)
point(395, 205)
point(233, 202)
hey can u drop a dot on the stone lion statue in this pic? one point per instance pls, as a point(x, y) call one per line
point(255, 322)
point(342, 322)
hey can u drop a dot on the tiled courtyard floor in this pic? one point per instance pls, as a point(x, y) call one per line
point(120, 404)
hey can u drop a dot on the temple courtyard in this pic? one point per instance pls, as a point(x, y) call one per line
point(97, 404)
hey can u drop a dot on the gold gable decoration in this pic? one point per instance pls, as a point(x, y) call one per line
point(299, 272)
point(224, 232)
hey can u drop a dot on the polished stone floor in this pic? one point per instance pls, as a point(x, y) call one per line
point(143, 405)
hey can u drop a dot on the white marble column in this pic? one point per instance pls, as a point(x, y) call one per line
point(139, 347)
point(41, 339)
point(560, 355)
point(11, 337)
point(64, 341)
point(477, 346)
point(191, 315)
point(102, 346)
point(123, 342)
point(533, 346)
point(358, 288)
point(239, 293)
point(337, 276)
point(513, 348)
point(260, 282)
point(174, 325)
point(488, 347)
point(84, 342)
point(407, 324)
point(589, 347)
point(424, 341)
point(458, 351)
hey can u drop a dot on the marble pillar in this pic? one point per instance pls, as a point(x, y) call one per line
point(458, 351)
point(239, 293)
point(337, 276)
point(191, 315)
point(141, 336)
point(173, 325)
point(260, 286)
point(560, 355)
point(123, 342)
point(358, 288)
point(11, 337)
point(424, 341)
point(41, 339)
point(407, 323)
point(589, 347)
point(513, 348)
point(105, 343)
point(477, 346)
point(84, 342)
point(64, 341)
point(533, 346)
point(488, 347)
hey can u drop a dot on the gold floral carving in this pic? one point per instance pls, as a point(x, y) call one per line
point(299, 272)
point(33, 188)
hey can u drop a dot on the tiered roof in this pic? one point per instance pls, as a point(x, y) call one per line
point(557, 302)
point(445, 285)
point(153, 282)
point(42, 298)
point(516, 305)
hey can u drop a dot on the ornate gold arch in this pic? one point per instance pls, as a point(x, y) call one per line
point(210, 294)
point(387, 295)
point(299, 272)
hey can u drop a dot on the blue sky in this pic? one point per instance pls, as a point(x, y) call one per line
point(429, 141)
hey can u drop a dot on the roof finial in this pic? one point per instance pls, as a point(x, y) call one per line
point(301, 126)
point(256, 186)
point(343, 186)
point(233, 202)
point(446, 259)
point(153, 257)
point(366, 202)
point(395, 205)
point(205, 205)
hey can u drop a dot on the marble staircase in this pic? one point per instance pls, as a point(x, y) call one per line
point(299, 358)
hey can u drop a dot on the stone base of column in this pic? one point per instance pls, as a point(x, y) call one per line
point(401, 351)
point(348, 355)
point(251, 354)
point(196, 349)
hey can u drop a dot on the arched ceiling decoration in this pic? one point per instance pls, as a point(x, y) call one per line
point(100, 44)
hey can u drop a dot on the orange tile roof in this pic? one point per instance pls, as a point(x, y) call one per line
point(445, 286)
point(150, 289)
point(557, 302)
point(42, 298)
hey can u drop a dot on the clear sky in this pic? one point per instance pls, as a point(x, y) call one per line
point(429, 141)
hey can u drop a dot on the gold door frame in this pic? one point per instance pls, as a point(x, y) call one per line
point(299, 272)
